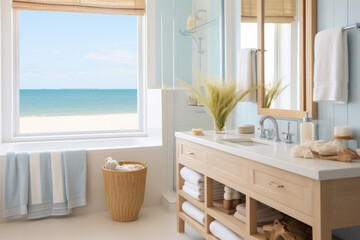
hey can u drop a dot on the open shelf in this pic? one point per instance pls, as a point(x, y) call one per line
point(197, 203)
point(228, 220)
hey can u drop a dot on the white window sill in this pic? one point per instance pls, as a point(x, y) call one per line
point(87, 144)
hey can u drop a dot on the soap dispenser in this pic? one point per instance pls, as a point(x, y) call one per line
point(307, 130)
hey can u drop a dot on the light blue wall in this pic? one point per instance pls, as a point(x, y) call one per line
point(332, 13)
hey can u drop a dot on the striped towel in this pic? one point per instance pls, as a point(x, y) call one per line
point(54, 184)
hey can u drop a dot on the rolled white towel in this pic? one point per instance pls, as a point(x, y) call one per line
point(222, 232)
point(200, 186)
point(191, 175)
point(110, 163)
point(240, 217)
point(122, 168)
point(236, 195)
point(260, 208)
point(194, 212)
point(197, 195)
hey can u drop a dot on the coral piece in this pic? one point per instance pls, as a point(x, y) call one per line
point(276, 231)
point(346, 155)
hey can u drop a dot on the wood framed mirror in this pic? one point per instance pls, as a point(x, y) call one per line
point(286, 31)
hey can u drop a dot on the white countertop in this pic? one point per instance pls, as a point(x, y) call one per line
point(275, 155)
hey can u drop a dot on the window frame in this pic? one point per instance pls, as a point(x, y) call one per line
point(10, 87)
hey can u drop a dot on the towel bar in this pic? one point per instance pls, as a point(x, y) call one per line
point(356, 26)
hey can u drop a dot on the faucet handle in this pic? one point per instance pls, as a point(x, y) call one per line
point(288, 136)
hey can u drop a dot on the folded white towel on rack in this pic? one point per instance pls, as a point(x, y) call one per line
point(191, 175)
point(201, 187)
point(195, 194)
point(222, 232)
point(242, 207)
point(242, 219)
point(200, 195)
point(246, 72)
point(271, 218)
point(331, 66)
point(194, 212)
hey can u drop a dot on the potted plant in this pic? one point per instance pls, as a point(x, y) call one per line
point(218, 97)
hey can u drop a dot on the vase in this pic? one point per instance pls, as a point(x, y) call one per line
point(219, 127)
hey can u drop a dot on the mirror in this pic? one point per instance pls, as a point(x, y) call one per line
point(285, 39)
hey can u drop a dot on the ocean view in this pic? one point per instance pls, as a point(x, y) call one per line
point(66, 102)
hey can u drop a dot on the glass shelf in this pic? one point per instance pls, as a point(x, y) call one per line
point(200, 27)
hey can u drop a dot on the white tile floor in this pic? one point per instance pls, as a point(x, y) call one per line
point(154, 223)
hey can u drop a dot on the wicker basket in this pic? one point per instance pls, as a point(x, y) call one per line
point(124, 192)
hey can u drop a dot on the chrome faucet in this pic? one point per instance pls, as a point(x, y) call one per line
point(264, 131)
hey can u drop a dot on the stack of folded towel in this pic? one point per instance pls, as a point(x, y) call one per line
point(222, 232)
point(265, 214)
point(193, 212)
point(194, 185)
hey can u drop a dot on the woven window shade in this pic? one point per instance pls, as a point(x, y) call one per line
point(123, 7)
point(276, 11)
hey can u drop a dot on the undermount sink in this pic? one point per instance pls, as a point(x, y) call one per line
point(248, 142)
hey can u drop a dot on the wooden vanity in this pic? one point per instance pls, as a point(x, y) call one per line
point(323, 204)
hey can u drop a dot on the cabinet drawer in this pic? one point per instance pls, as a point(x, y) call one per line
point(292, 190)
point(227, 167)
point(190, 151)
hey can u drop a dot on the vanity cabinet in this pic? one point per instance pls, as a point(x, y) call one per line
point(324, 205)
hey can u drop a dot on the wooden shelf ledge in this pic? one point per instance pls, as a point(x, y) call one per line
point(198, 204)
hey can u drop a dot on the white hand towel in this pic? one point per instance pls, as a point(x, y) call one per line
point(197, 195)
point(331, 66)
point(246, 73)
point(194, 186)
point(191, 175)
point(194, 212)
point(240, 217)
point(201, 187)
point(222, 232)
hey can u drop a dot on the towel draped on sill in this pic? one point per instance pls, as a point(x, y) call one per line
point(38, 185)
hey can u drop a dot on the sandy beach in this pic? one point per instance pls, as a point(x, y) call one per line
point(35, 124)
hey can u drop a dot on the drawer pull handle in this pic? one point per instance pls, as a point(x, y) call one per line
point(275, 185)
point(190, 153)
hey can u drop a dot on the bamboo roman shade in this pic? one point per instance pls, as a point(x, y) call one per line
point(276, 11)
point(124, 7)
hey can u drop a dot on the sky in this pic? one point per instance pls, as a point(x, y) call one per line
point(77, 50)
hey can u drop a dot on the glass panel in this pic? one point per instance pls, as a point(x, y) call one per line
point(197, 39)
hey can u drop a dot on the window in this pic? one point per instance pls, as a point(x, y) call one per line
point(72, 75)
point(77, 73)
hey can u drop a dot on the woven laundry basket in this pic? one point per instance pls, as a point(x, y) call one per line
point(124, 192)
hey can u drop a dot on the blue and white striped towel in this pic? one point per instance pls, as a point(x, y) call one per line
point(55, 183)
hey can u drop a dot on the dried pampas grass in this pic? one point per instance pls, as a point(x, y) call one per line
point(218, 97)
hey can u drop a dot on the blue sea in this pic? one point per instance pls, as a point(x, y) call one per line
point(61, 102)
